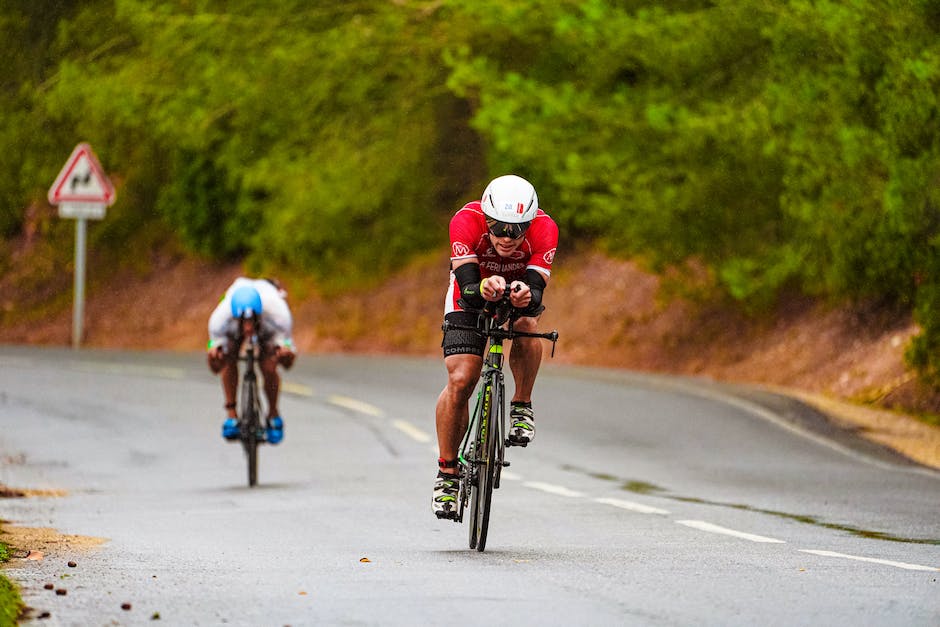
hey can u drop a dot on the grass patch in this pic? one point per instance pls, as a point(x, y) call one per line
point(10, 602)
point(930, 419)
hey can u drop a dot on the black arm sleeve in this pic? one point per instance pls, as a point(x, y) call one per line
point(468, 280)
point(536, 283)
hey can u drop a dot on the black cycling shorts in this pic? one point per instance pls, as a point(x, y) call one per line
point(460, 341)
point(466, 342)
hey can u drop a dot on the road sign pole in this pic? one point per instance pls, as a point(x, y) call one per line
point(78, 310)
point(82, 191)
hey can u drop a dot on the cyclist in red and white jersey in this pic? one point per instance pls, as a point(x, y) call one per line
point(504, 241)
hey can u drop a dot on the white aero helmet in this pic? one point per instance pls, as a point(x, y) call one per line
point(510, 204)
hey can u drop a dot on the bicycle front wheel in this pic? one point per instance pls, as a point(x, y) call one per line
point(251, 425)
point(481, 497)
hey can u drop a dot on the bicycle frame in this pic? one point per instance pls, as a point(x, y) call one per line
point(249, 413)
point(482, 451)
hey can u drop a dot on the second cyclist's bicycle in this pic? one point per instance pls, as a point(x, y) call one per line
point(250, 427)
point(482, 453)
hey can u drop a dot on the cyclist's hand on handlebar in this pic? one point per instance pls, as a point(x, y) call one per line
point(285, 357)
point(216, 358)
point(519, 294)
point(492, 288)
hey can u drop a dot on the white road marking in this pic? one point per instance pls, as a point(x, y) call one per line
point(411, 431)
point(772, 417)
point(701, 525)
point(296, 389)
point(130, 369)
point(630, 505)
point(871, 559)
point(354, 405)
point(420, 436)
point(553, 489)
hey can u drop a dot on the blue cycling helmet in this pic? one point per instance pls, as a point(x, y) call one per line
point(246, 302)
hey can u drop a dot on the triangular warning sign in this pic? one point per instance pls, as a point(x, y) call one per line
point(82, 180)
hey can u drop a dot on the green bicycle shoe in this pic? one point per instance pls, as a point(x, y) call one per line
point(444, 502)
point(521, 425)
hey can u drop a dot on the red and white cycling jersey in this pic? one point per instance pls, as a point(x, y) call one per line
point(469, 239)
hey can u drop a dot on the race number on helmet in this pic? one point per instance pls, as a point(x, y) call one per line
point(510, 199)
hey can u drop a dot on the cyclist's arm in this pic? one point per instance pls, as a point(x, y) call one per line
point(526, 293)
point(467, 273)
point(222, 327)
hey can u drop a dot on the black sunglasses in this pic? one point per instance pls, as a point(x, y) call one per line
point(507, 229)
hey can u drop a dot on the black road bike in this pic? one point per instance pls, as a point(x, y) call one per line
point(250, 427)
point(482, 453)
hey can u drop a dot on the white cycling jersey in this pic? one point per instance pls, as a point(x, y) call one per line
point(276, 320)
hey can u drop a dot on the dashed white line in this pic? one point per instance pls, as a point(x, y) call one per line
point(873, 560)
point(701, 525)
point(130, 369)
point(354, 405)
point(296, 389)
point(421, 436)
point(411, 431)
point(630, 505)
point(553, 489)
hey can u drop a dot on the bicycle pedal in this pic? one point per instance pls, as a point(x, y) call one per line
point(505, 464)
point(511, 442)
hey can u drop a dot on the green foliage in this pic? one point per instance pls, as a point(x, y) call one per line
point(10, 602)
point(789, 145)
point(299, 137)
point(27, 31)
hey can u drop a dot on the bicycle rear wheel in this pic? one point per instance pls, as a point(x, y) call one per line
point(481, 497)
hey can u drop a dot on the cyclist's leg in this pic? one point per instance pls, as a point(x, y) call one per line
point(229, 376)
point(224, 346)
point(227, 368)
point(274, 425)
point(453, 405)
point(525, 357)
point(452, 416)
point(272, 380)
point(268, 362)
point(463, 358)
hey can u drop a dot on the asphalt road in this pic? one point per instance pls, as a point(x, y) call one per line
point(643, 501)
